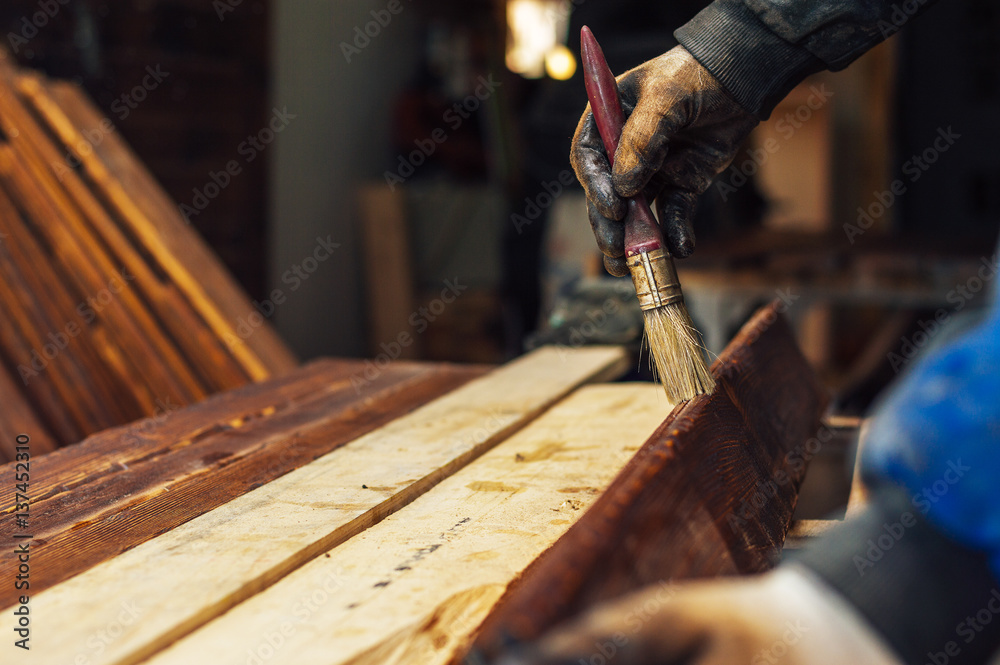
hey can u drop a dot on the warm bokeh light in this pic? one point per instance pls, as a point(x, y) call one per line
point(537, 29)
point(560, 63)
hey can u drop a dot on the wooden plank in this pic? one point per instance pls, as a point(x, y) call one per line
point(44, 200)
point(802, 531)
point(710, 493)
point(17, 418)
point(389, 269)
point(128, 320)
point(858, 498)
point(156, 222)
point(72, 468)
point(204, 567)
point(414, 588)
point(124, 486)
point(78, 206)
point(41, 391)
point(66, 374)
point(48, 294)
point(129, 191)
point(73, 235)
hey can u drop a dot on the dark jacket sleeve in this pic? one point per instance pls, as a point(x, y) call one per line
point(761, 49)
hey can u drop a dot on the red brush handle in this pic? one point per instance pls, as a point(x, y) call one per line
point(642, 233)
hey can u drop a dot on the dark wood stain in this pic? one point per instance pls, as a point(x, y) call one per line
point(119, 488)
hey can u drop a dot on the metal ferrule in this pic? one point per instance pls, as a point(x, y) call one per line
point(655, 279)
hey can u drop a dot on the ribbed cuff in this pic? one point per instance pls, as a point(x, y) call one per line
point(932, 599)
point(756, 66)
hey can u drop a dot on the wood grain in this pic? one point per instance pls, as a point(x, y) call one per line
point(81, 215)
point(710, 493)
point(389, 271)
point(413, 588)
point(106, 398)
point(20, 419)
point(156, 221)
point(124, 486)
point(203, 567)
point(78, 205)
point(40, 393)
point(62, 369)
point(91, 272)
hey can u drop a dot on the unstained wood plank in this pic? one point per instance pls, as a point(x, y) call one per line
point(204, 567)
point(412, 589)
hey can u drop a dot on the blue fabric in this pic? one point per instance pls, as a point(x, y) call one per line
point(938, 435)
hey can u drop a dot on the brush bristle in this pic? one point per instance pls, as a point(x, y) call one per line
point(678, 356)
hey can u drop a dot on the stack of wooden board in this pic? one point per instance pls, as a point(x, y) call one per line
point(231, 486)
point(112, 308)
point(220, 542)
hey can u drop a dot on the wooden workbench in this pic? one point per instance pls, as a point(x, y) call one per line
point(347, 513)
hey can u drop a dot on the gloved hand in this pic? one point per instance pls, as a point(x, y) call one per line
point(682, 130)
point(785, 616)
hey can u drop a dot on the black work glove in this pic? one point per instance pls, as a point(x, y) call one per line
point(682, 130)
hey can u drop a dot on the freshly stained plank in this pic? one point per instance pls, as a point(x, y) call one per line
point(41, 390)
point(92, 501)
point(78, 206)
point(82, 218)
point(62, 369)
point(202, 568)
point(413, 588)
point(75, 467)
point(154, 220)
point(127, 317)
point(55, 308)
point(19, 418)
point(710, 493)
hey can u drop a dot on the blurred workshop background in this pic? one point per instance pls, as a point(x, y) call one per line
point(427, 141)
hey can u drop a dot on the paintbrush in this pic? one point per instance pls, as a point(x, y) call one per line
point(678, 357)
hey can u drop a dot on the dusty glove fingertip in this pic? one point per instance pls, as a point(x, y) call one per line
point(682, 249)
point(611, 209)
point(629, 183)
point(610, 234)
point(676, 212)
point(607, 201)
point(616, 266)
point(679, 234)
